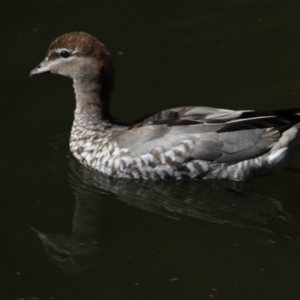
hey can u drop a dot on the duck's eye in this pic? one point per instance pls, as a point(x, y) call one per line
point(64, 54)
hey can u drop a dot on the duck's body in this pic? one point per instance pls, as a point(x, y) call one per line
point(180, 143)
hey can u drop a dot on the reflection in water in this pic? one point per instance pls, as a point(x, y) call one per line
point(219, 202)
point(222, 202)
point(86, 245)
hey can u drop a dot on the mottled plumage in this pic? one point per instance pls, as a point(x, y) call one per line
point(179, 143)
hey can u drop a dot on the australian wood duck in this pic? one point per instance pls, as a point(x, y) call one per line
point(178, 143)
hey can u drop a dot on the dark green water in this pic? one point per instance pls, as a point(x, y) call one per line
point(69, 233)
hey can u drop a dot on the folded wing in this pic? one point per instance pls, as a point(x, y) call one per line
point(204, 133)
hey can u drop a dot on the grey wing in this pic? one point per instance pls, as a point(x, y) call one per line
point(199, 133)
point(190, 113)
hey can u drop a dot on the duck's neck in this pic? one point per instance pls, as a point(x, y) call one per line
point(91, 99)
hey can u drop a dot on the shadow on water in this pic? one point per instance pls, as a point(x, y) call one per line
point(87, 244)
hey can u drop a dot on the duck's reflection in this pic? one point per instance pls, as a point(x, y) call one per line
point(86, 245)
point(223, 202)
point(210, 201)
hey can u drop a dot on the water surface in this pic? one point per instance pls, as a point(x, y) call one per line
point(71, 233)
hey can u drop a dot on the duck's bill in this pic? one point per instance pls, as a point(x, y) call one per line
point(41, 68)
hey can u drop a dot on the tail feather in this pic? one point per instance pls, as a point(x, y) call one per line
point(285, 148)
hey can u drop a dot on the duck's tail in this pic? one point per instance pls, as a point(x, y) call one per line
point(286, 148)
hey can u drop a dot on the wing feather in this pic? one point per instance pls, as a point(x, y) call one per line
point(213, 134)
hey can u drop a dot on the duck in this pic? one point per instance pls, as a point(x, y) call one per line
point(189, 142)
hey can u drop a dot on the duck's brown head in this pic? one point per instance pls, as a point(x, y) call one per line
point(80, 56)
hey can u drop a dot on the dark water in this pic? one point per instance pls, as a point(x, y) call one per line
point(70, 233)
